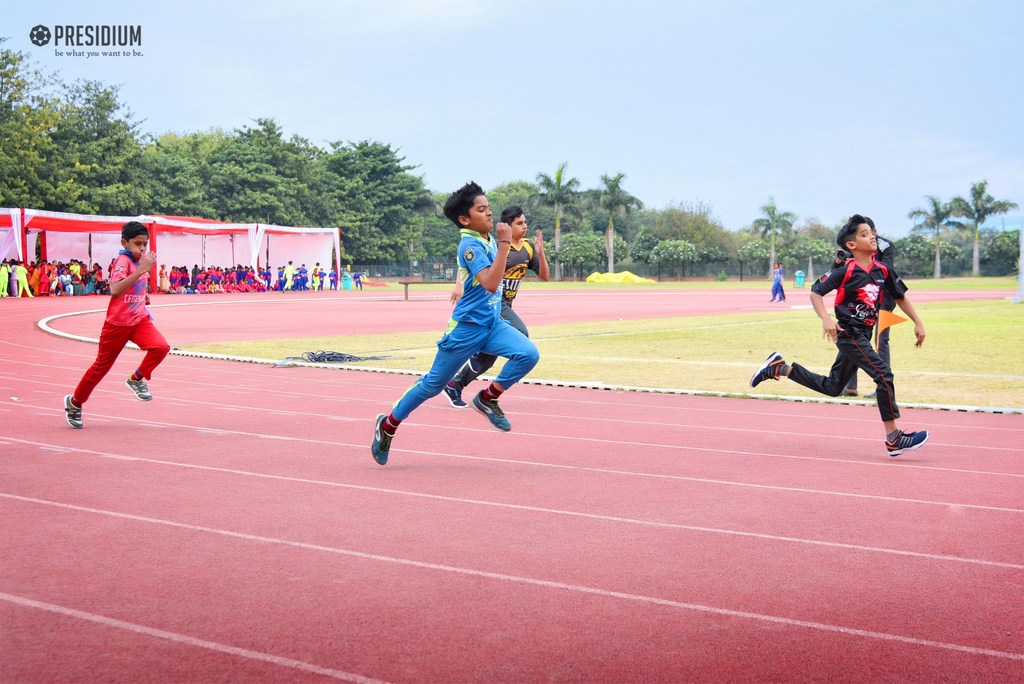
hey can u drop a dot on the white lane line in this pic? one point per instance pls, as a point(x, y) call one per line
point(189, 640)
point(548, 584)
point(553, 511)
point(886, 462)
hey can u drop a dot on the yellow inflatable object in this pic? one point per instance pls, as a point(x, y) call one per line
point(623, 277)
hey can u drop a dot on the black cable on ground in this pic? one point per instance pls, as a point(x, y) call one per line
point(321, 356)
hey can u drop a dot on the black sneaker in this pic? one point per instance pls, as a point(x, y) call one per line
point(495, 416)
point(906, 441)
point(381, 441)
point(454, 395)
point(140, 388)
point(769, 370)
point(72, 413)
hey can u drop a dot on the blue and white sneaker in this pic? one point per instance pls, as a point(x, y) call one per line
point(769, 370)
point(454, 395)
point(495, 416)
point(381, 441)
point(906, 441)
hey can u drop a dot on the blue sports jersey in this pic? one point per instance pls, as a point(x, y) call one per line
point(477, 252)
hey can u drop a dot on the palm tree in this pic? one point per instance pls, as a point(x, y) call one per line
point(772, 224)
point(561, 196)
point(936, 218)
point(617, 202)
point(977, 210)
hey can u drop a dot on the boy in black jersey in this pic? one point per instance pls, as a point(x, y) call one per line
point(859, 284)
point(522, 257)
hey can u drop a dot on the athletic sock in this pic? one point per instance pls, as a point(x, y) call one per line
point(784, 370)
point(492, 393)
point(892, 435)
point(74, 402)
point(390, 424)
point(136, 376)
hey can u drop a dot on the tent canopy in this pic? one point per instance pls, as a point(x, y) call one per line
point(177, 240)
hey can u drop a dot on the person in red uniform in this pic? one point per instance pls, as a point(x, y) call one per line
point(127, 320)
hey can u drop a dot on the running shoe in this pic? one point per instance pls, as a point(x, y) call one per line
point(454, 395)
point(906, 441)
point(72, 413)
point(381, 441)
point(495, 416)
point(140, 388)
point(769, 370)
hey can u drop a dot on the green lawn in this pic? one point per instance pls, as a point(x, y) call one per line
point(973, 355)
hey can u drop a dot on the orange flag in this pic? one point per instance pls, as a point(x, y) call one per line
point(888, 318)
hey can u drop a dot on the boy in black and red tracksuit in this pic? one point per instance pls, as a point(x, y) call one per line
point(859, 285)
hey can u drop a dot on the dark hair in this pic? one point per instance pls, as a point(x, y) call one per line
point(849, 229)
point(461, 201)
point(510, 214)
point(133, 229)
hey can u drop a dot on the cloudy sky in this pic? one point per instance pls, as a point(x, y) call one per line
point(829, 107)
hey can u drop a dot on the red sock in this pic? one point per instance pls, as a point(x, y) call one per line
point(492, 392)
point(390, 424)
point(136, 376)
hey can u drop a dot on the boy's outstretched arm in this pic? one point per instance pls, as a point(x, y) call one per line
point(829, 328)
point(911, 312)
point(538, 244)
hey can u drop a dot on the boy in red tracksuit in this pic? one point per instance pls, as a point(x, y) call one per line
point(127, 320)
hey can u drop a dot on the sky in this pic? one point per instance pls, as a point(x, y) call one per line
point(831, 108)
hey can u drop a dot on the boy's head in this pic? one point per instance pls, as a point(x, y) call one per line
point(467, 208)
point(850, 232)
point(134, 238)
point(514, 217)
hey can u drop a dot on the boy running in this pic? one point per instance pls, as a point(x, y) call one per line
point(127, 319)
point(476, 323)
point(522, 256)
point(859, 285)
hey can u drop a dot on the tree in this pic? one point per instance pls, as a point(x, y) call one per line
point(752, 252)
point(977, 210)
point(813, 250)
point(561, 194)
point(937, 219)
point(580, 249)
point(617, 202)
point(640, 251)
point(1002, 253)
point(773, 224)
point(674, 252)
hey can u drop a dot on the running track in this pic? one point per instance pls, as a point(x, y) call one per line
point(236, 528)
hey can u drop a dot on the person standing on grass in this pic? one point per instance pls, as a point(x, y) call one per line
point(859, 284)
point(476, 323)
point(127, 320)
point(778, 294)
point(522, 256)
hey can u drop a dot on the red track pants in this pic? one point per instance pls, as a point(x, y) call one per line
point(113, 338)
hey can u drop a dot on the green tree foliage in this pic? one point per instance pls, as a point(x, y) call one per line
point(1002, 254)
point(813, 251)
point(936, 219)
point(643, 245)
point(674, 253)
point(977, 209)
point(773, 225)
point(561, 194)
point(581, 249)
point(614, 199)
point(31, 173)
point(693, 223)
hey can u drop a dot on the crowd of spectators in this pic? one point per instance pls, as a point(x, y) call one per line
point(76, 278)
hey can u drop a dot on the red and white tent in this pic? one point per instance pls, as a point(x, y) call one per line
point(177, 240)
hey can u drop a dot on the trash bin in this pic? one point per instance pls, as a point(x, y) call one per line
point(346, 281)
point(800, 278)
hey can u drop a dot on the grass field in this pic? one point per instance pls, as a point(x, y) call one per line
point(973, 355)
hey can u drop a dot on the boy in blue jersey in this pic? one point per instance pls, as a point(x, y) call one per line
point(859, 285)
point(476, 323)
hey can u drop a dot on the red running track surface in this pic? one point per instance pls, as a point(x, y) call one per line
point(236, 528)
